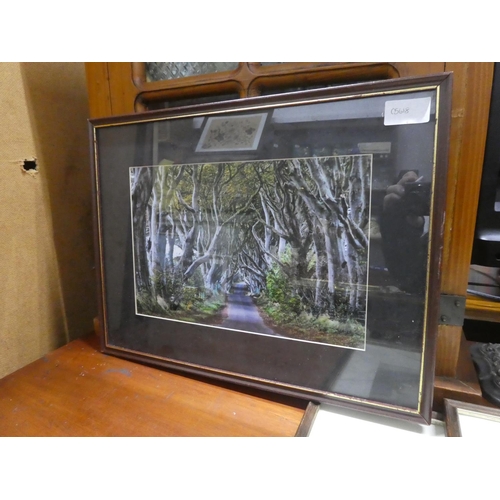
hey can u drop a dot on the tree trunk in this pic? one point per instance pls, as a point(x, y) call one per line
point(141, 192)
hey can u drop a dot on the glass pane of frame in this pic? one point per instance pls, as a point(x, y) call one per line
point(285, 242)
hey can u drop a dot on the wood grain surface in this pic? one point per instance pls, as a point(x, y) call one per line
point(78, 391)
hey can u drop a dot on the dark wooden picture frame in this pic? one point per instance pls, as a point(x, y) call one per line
point(454, 410)
point(393, 373)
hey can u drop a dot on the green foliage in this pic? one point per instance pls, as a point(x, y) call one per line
point(169, 298)
point(348, 333)
point(196, 280)
point(169, 286)
point(213, 305)
point(349, 327)
point(338, 305)
point(190, 296)
point(147, 304)
point(280, 292)
point(202, 311)
point(283, 306)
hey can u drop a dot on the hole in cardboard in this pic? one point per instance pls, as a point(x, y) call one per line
point(29, 165)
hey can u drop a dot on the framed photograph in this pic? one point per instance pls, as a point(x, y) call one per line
point(232, 133)
point(471, 420)
point(289, 243)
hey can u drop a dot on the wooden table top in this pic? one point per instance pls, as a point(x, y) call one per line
point(78, 391)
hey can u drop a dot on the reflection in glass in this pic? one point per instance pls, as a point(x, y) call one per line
point(156, 71)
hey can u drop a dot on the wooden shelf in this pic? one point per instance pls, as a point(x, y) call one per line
point(464, 386)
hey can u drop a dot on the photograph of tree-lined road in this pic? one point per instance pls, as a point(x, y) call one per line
point(274, 247)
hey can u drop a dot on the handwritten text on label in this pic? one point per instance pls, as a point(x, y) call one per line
point(407, 111)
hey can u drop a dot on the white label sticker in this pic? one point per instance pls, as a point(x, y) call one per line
point(407, 111)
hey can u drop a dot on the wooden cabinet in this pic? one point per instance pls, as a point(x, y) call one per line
point(122, 88)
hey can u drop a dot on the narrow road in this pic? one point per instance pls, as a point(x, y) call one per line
point(242, 313)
